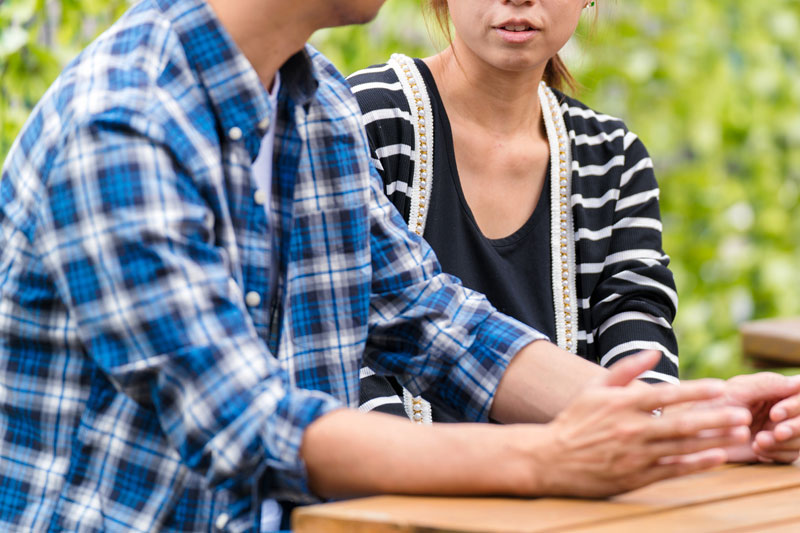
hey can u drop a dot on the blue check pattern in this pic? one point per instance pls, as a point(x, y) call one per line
point(138, 390)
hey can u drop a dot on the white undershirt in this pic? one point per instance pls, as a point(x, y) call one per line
point(262, 166)
point(262, 176)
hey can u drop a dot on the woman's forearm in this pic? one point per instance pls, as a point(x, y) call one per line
point(540, 381)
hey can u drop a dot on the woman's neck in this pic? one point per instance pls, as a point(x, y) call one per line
point(499, 101)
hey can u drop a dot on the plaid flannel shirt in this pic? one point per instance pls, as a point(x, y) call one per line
point(150, 376)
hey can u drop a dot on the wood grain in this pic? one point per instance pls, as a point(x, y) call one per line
point(410, 514)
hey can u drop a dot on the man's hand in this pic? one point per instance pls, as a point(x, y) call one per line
point(774, 403)
point(606, 441)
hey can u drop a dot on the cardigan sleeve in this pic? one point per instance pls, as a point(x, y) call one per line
point(635, 300)
point(386, 120)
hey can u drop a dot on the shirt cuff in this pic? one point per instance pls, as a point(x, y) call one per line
point(496, 341)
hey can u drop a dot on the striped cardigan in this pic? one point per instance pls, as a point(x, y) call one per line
point(607, 230)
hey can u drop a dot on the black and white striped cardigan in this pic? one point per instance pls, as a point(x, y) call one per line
point(608, 267)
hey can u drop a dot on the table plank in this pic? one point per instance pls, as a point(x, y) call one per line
point(746, 513)
point(407, 514)
point(772, 341)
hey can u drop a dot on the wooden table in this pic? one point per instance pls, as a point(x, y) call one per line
point(772, 342)
point(734, 498)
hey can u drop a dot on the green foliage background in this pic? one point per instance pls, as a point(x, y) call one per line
point(712, 88)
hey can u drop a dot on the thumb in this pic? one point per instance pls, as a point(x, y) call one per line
point(625, 371)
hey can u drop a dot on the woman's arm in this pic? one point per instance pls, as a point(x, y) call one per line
point(634, 302)
point(605, 442)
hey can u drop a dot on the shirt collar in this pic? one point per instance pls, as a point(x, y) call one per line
point(233, 87)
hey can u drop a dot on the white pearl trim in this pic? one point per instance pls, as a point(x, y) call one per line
point(561, 224)
point(421, 114)
point(422, 121)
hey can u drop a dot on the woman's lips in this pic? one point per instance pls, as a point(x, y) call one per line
point(512, 33)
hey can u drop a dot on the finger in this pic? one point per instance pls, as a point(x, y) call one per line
point(708, 423)
point(765, 386)
point(691, 445)
point(787, 430)
point(681, 465)
point(775, 456)
point(785, 409)
point(625, 371)
point(767, 442)
point(662, 395)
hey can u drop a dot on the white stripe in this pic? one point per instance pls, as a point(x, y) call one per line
point(666, 378)
point(636, 199)
point(398, 185)
point(628, 141)
point(593, 140)
point(377, 85)
point(369, 405)
point(593, 203)
point(610, 298)
point(637, 345)
point(632, 315)
point(376, 163)
point(639, 222)
point(370, 70)
point(593, 235)
point(638, 279)
point(584, 303)
point(627, 255)
point(394, 149)
point(642, 164)
point(586, 113)
point(627, 222)
point(584, 336)
point(598, 170)
point(365, 372)
point(385, 114)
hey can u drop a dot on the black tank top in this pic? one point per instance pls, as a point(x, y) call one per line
point(514, 271)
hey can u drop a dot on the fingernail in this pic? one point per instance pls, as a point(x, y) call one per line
point(783, 432)
point(779, 414)
point(764, 439)
point(741, 416)
point(740, 434)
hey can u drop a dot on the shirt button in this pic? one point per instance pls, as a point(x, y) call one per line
point(221, 521)
point(264, 124)
point(235, 133)
point(260, 197)
point(252, 299)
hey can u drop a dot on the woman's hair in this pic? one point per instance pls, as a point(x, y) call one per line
point(556, 74)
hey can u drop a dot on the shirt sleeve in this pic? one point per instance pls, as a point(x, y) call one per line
point(440, 339)
point(132, 245)
point(635, 302)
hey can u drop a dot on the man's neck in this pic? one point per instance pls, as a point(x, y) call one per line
point(268, 32)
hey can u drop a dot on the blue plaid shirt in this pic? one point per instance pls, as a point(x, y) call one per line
point(151, 377)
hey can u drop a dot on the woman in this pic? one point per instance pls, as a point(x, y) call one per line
point(544, 205)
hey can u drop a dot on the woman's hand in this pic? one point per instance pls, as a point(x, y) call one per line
point(607, 441)
point(774, 403)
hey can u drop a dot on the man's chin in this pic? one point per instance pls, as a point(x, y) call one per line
point(350, 14)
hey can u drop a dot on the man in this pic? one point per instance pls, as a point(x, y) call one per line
point(196, 258)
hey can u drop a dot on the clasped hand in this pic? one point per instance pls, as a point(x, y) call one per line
point(607, 441)
point(774, 404)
